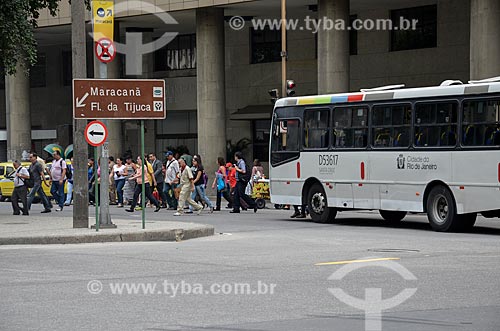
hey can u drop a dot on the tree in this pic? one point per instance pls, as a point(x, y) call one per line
point(18, 19)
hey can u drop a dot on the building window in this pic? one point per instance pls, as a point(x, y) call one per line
point(67, 68)
point(179, 54)
point(350, 127)
point(38, 72)
point(423, 36)
point(436, 124)
point(266, 45)
point(391, 125)
point(261, 137)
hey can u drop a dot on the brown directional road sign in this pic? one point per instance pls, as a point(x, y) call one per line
point(119, 99)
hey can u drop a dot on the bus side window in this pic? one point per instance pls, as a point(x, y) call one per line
point(391, 125)
point(316, 128)
point(481, 120)
point(350, 127)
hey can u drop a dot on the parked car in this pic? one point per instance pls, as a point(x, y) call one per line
point(7, 167)
point(7, 183)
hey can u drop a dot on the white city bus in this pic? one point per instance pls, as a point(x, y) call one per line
point(434, 150)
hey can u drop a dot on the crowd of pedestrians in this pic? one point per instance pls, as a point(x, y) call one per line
point(179, 183)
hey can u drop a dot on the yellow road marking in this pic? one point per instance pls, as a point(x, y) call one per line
point(358, 261)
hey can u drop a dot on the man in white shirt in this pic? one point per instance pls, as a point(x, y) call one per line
point(171, 180)
point(57, 175)
point(20, 189)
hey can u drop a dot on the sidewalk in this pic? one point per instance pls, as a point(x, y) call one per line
point(33, 230)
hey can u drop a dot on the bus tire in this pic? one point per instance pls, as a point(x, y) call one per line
point(441, 210)
point(318, 205)
point(392, 216)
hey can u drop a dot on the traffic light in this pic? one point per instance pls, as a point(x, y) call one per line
point(275, 95)
point(290, 88)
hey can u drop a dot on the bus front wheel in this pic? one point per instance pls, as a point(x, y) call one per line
point(318, 205)
point(392, 215)
point(441, 210)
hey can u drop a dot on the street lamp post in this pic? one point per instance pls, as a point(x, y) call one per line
point(284, 54)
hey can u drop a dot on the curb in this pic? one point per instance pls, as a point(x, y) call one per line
point(155, 235)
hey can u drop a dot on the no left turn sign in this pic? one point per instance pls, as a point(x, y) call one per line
point(96, 133)
point(105, 50)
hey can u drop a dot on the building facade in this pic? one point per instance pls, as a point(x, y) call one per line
point(218, 75)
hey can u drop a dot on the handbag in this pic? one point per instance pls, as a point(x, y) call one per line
point(220, 183)
point(177, 192)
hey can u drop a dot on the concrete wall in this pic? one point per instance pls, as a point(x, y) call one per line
point(376, 66)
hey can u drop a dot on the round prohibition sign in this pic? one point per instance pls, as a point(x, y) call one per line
point(105, 50)
point(96, 133)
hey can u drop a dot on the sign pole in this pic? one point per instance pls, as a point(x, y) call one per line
point(105, 218)
point(96, 190)
point(144, 168)
point(96, 134)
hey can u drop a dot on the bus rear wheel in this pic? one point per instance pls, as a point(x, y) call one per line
point(441, 210)
point(318, 205)
point(392, 215)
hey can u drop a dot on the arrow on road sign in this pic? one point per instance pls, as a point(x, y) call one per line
point(79, 102)
point(96, 133)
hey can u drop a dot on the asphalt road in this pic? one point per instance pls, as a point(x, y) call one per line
point(260, 272)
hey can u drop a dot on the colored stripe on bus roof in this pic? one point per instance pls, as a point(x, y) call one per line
point(355, 97)
point(305, 101)
point(339, 98)
point(330, 99)
point(313, 101)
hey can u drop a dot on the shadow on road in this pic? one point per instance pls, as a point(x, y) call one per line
point(405, 224)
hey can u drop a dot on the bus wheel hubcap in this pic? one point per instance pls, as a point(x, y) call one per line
point(318, 203)
point(441, 209)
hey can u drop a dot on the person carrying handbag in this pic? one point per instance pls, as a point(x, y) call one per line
point(221, 182)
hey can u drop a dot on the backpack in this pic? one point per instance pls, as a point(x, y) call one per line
point(30, 182)
point(69, 173)
point(248, 173)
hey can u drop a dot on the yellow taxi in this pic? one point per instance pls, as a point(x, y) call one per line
point(6, 168)
point(7, 183)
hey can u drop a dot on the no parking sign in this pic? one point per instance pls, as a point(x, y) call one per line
point(105, 50)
